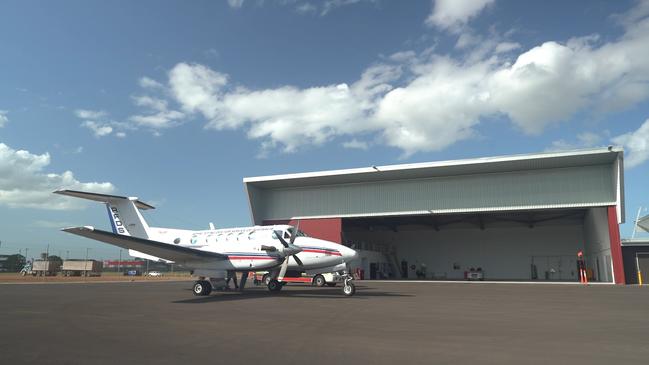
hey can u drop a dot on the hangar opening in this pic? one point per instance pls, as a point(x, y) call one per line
point(520, 217)
point(522, 245)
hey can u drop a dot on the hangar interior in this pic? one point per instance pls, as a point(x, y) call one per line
point(519, 217)
point(522, 245)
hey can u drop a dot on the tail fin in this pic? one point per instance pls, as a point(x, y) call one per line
point(123, 212)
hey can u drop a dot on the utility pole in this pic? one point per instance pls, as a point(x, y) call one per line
point(67, 254)
point(85, 264)
point(119, 263)
point(47, 252)
point(26, 258)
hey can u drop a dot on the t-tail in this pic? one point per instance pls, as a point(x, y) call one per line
point(123, 212)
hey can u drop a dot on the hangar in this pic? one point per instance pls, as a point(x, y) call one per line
point(519, 217)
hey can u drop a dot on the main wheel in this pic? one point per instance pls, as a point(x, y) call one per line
point(202, 287)
point(349, 289)
point(265, 279)
point(319, 281)
point(274, 285)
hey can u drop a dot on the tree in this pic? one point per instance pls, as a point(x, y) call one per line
point(54, 258)
point(15, 262)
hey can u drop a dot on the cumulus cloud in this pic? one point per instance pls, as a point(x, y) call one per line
point(99, 130)
point(24, 183)
point(3, 118)
point(454, 14)
point(424, 101)
point(99, 124)
point(148, 83)
point(636, 145)
point(158, 116)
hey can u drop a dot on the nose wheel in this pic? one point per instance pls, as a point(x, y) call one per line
point(349, 288)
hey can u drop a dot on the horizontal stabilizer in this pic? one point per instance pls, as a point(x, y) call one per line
point(104, 198)
point(162, 250)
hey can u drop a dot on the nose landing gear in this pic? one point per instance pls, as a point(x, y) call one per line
point(349, 288)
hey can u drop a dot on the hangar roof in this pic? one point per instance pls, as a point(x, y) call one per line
point(550, 180)
point(482, 165)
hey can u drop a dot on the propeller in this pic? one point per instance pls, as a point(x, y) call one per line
point(290, 250)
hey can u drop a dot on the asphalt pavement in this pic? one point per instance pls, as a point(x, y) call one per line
point(385, 323)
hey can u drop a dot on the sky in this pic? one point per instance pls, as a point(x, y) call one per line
point(176, 102)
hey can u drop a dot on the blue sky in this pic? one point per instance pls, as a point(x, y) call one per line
point(177, 102)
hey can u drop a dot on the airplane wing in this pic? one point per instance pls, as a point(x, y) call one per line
point(154, 248)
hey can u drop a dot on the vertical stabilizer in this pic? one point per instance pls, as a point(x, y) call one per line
point(123, 212)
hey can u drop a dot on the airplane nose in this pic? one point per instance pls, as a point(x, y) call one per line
point(349, 254)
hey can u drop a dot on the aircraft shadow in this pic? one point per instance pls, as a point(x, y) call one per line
point(362, 293)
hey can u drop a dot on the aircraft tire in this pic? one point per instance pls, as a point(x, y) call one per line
point(319, 281)
point(349, 290)
point(202, 288)
point(274, 285)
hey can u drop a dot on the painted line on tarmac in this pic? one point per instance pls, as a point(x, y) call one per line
point(485, 282)
point(92, 282)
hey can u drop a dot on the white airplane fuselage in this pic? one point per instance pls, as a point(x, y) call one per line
point(243, 246)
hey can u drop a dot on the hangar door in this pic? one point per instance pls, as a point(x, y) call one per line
point(528, 245)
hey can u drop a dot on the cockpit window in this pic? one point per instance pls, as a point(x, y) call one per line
point(274, 235)
point(301, 234)
point(287, 233)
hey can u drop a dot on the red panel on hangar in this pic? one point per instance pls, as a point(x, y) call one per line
point(329, 229)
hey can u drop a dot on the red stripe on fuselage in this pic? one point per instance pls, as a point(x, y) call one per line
point(251, 258)
point(332, 253)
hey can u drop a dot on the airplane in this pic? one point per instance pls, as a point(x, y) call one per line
point(213, 252)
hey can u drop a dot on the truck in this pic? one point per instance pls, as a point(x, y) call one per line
point(328, 279)
point(82, 268)
point(45, 268)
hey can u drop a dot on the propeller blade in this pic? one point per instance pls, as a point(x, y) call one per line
point(281, 239)
point(295, 230)
point(299, 262)
point(282, 270)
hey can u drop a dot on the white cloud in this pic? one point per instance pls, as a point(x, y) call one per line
point(427, 101)
point(99, 124)
point(3, 118)
point(454, 14)
point(584, 140)
point(159, 115)
point(90, 114)
point(148, 83)
point(99, 130)
point(235, 3)
point(25, 184)
point(636, 145)
point(356, 144)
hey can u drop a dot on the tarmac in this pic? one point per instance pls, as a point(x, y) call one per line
point(384, 323)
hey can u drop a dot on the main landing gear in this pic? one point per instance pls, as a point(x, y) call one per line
point(202, 288)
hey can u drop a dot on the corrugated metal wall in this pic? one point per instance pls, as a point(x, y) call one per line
point(533, 189)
